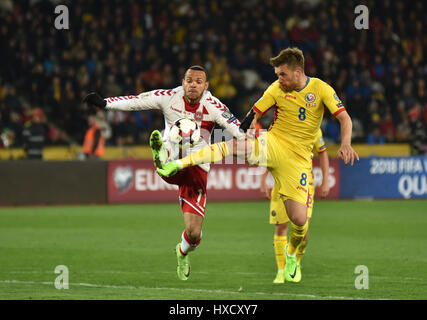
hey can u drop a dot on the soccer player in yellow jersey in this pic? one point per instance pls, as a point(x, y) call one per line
point(300, 102)
point(279, 217)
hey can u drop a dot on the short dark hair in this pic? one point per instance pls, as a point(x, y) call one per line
point(199, 68)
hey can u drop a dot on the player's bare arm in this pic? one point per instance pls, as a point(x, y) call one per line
point(264, 187)
point(324, 166)
point(345, 151)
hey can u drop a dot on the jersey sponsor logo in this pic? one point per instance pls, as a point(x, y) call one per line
point(176, 110)
point(310, 97)
point(290, 96)
point(336, 97)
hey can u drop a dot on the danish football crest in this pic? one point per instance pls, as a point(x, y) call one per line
point(198, 116)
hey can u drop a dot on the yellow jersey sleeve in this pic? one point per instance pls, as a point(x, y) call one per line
point(319, 142)
point(331, 100)
point(267, 100)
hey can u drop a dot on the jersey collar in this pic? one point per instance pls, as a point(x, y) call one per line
point(189, 107)
point(308, 80)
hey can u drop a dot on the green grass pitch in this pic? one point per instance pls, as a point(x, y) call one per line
point(127, 252)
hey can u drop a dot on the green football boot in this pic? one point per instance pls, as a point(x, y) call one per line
point(183, 269)
point(298, 275)
point(290, 266)
point(157, 148)
point(168, 169)
point(280, 277)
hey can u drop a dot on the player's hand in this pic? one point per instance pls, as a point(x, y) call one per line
point(95, 99)
point(247, 121)
point(347, 153)
point(250, 133)
point(265, 189)
point(324, 190)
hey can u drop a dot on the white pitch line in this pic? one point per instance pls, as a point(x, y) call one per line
point(203, 272)
point(82, 284)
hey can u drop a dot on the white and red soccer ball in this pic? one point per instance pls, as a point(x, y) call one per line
point(185, 133)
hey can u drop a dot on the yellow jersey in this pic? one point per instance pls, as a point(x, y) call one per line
point(299, 113)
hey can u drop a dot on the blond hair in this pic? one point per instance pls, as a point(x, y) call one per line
point(293, 57)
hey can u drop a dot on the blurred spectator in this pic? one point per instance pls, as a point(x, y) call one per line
point(332, 131)
point(387, 127)
point(34, 134)
point(403, 131)
point(358, 133)
point(375, 136)
point(418, 130)
point(15, 125)
point(12, 101)
point(129, 46)
point(94, 142)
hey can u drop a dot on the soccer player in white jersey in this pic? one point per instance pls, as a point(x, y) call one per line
point(191, 100)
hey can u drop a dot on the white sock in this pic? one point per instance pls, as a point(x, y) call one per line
point(187, 245)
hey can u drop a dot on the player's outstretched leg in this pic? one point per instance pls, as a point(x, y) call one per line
point(209, 154)
point(157, 148)
point(183, 269)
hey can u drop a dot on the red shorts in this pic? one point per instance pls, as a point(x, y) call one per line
point(192, 183)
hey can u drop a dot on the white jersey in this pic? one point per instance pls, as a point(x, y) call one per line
point(208, 112)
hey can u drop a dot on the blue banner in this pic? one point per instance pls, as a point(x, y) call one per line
point(385, 178)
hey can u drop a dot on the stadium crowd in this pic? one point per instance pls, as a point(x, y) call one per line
point(130, 46)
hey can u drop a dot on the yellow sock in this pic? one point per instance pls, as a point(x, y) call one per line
point(279, 243)
point(297, 235)
point(301, 250)
point(208, 154)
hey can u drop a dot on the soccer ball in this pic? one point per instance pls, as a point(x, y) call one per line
point(185, 133)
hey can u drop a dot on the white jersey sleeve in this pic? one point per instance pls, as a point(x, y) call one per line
point(224, 117)
point(155, 99)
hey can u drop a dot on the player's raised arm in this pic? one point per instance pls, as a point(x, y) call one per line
point(143, 101)
point(345, 151)
point(226, 119)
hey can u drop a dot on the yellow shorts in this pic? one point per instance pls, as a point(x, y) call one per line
point(291, 172)
point(278, 214)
